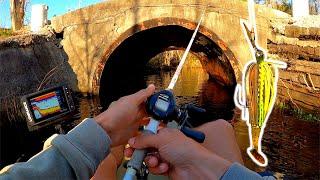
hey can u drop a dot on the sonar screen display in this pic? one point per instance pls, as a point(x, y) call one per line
point(48, 104)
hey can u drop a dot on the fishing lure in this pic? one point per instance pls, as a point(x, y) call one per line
point(257, 93)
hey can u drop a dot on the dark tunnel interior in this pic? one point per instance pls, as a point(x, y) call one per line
point(124, 70)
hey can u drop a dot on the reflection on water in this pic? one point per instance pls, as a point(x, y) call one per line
point(188, 84)
point(193, 86)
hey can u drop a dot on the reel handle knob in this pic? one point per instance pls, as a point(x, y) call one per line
point(193, 134)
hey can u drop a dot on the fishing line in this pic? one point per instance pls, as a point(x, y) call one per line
point(185, 54)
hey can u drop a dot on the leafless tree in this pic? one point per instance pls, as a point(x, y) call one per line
point(17, 11)
point(271, 3)
point(314, 7)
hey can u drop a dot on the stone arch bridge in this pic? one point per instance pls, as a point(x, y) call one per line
point(130, 32)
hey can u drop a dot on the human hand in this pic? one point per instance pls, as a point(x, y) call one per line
point(107, 169)
point(180, 156)
point(221, 140)
point(120, 120)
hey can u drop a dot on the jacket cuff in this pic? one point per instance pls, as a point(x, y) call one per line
point(237, 171)
point(85, 146)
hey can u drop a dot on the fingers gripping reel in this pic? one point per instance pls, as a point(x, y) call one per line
point(187, 114)
point(161, 106)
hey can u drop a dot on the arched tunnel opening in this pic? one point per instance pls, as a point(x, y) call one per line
point(126, 70)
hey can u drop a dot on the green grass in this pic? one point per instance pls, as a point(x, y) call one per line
point(298, 113)
point(305, 115)
point(4, 33)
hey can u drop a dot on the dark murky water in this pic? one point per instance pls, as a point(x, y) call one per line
point(291, 145)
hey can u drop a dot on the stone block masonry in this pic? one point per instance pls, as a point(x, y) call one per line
point(298, 44)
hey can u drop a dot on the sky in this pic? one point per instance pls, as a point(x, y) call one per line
point(56, 7)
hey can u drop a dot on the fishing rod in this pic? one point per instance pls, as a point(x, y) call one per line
point(162, 108)
point(185, 55)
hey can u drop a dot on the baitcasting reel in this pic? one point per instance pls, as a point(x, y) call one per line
point(162, 108)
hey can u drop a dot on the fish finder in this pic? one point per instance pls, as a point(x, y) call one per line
point(47, 107)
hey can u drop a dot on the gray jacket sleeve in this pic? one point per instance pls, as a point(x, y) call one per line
point(75, 155)
point(239, 172)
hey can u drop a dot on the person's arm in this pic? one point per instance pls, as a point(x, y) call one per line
point(75, 155)
point(239, 172)
point(183, 158)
